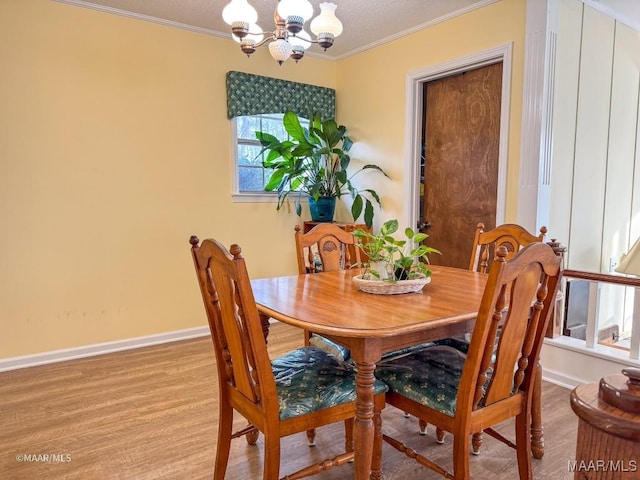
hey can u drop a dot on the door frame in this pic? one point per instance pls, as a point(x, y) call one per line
point(413, 120)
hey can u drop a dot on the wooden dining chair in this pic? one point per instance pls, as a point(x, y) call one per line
point(485, 243)
point(335, 247)
point(513, 237)
point(301, 390)
point(494, 381)
point(325, 248)
point(328, 248)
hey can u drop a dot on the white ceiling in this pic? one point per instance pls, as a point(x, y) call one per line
point(367, 23)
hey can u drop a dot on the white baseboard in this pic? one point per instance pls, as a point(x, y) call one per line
point(560, 379)
point(550, 373)
point(54, 356)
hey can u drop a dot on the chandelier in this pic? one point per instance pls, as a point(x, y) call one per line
point(289, 40)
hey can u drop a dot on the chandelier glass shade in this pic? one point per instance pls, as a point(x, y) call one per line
point(289, 39)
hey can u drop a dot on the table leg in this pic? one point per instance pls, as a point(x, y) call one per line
point(376, 461)
point(537, 430)
point(364, 423)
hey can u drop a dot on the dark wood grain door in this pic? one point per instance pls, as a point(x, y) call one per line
point(462, 136)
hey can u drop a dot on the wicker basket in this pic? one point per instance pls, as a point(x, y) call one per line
point(385, 287)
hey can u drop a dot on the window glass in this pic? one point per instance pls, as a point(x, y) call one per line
point(250, 174)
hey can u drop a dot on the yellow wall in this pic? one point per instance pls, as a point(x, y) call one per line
point(371, 90)
point(115, 147)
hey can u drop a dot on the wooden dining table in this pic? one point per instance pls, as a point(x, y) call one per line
point(370, 325)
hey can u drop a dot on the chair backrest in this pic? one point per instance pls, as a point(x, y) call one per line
point(335, 246)
point(512, 237)
point(518, 300)
point(244, 368)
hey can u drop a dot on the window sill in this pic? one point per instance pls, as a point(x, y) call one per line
point(254, 198)
point(259, 197)
point(599, 351)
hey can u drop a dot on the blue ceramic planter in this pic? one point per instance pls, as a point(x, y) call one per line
point(322, 210)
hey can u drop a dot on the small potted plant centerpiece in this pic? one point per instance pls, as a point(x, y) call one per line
point(394, 266)
point(315, 161)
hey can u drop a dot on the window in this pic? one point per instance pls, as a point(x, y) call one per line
point(251, 176)
point(250, 101)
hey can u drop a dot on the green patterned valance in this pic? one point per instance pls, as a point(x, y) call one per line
point(249, 94)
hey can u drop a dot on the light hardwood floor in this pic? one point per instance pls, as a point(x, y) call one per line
point(151, 413)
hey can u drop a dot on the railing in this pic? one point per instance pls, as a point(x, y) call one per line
point(600, 292)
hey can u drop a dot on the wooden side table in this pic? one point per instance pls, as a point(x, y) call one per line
point(608, 445)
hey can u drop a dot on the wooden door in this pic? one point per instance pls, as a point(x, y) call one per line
point(462, 135)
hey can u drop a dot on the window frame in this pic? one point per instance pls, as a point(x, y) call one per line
point(237, 195)
point(248, 196)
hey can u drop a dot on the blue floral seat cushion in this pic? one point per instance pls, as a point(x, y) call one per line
point(429, 376)
point(308, 380)
point(332, 348)
point(343, 354)
point(459, 343)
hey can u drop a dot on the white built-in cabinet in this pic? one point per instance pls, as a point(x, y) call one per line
point(596, 146)
point(595, 186)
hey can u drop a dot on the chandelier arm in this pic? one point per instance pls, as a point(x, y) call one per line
point(269, 34)
point(266, 40)
point(308, 40)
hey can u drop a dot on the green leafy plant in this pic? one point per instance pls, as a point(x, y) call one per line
point(315, 161)
point(403, 259)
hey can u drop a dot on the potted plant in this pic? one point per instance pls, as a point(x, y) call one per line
point(394, 260)
point(315, 161)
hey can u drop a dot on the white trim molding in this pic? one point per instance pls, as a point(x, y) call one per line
point(413, 118)
point(170, 23)
point(54, 356)
point(417, 28)
point(145, 18)
point(534, 189)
